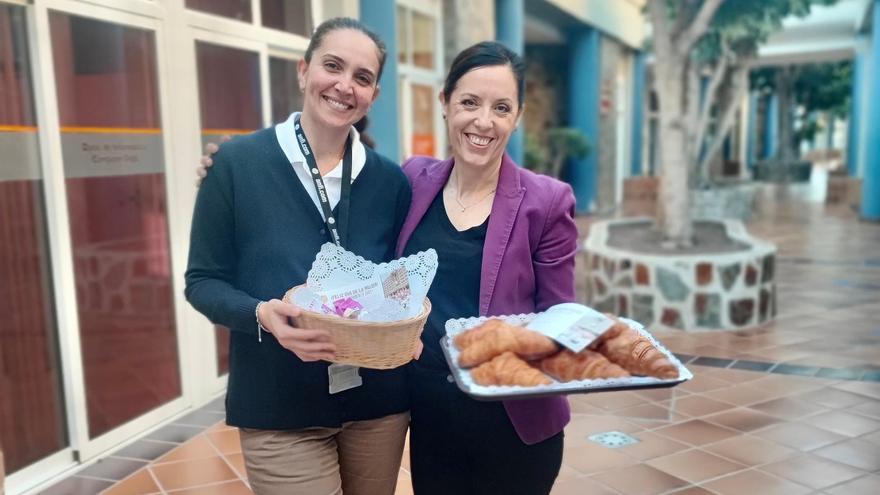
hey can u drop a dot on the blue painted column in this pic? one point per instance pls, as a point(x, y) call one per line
point(381, 17)
point(855, 111)
point(871, 173)
point(638, 113)
point(583, 111)
point(752, 134)
point(771, 126)
point(510, 27)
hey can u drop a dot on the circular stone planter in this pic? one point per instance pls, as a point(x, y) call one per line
point(728, 289)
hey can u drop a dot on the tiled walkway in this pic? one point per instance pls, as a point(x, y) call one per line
point(792, 407)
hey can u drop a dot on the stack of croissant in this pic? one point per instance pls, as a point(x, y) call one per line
point(498, 353)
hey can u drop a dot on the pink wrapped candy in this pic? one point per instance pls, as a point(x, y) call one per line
point(345, 308)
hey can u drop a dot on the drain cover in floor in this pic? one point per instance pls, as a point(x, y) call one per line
point(613, 439)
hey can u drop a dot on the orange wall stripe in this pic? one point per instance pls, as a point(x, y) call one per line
point(17, 128)
point(112, 130)
point(227, 131)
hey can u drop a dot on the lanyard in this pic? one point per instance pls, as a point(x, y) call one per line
point(338, 227)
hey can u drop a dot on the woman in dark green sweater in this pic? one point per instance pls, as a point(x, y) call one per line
point(272, 199)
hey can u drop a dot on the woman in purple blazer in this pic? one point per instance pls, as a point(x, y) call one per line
point(506, 241)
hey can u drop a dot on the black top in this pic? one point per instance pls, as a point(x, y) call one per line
point(455, 292)
point(255, 234)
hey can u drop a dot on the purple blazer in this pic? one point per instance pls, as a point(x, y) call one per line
point(528, 260)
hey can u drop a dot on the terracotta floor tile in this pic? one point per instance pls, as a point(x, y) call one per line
point(140, 483)
point(187, 474)
point(737, 376)
point(692, 490)
point(197, 448)
point(742, 419)
point(744, 394)
point(220, 427)
point(788, 408)
point(404, 484)
point(237, 461)
point(404, 461)
point(611, 401)
point(786, 385)
point(650, 411)
point(869, 389)
point(652, 445)
point(856, 452)
point(844, 423)
point(579, 405)
point(873, 437)
point(870, 408)
point(640, 480)
point(226, 441)
point(781, 354)
point(696, 432)
point(699, 405)
point(815, 472)
point(695, 465)
point(831, 397)
point(226, 488)
point(750, 450)
point(866, 485)
point(661, 394)
point(580, 486)
point(755, 482)
point(703, 383)
point(801, 436)
point(595, 458)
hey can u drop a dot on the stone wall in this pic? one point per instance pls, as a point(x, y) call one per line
point(686, 292)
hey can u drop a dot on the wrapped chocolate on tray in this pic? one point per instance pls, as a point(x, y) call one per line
point(568, 349)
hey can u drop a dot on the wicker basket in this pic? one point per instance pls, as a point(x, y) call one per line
point(373, 345)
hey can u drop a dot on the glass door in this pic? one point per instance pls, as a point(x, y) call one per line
point(114, 175)
point(32, 412)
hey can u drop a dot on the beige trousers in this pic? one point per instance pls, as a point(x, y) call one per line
point(360, 458)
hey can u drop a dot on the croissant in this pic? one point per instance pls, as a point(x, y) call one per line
point(636, 354)
point(567, 366)
point(464, 339)
point(508, 369)
point(502, 337)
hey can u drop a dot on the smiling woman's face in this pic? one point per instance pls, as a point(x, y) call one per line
point(340, 80)
point(481, 114)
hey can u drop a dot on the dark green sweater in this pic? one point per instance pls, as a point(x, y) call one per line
point(255, 234)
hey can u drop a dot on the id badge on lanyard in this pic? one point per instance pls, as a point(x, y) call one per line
point(340, 377)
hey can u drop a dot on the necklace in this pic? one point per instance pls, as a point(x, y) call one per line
point(463, 207)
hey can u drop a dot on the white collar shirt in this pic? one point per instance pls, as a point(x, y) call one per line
point(333, 179)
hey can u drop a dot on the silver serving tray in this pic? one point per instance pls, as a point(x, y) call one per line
point(467, 385)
